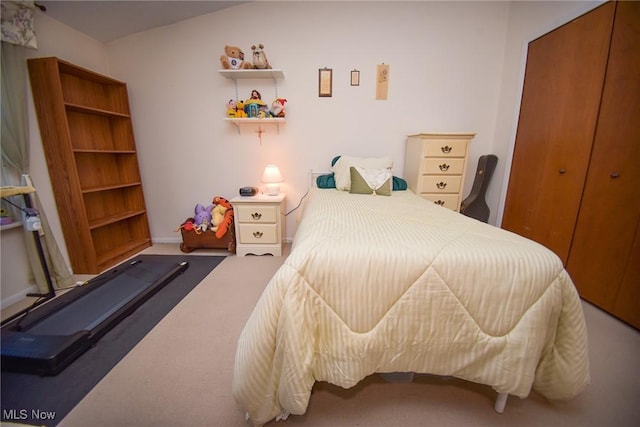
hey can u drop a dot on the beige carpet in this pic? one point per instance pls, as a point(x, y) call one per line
point(180, 375)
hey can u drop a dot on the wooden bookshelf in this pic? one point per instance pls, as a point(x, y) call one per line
point(88, 141)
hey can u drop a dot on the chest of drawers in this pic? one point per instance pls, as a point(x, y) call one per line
point(435, 165)
point(260, 224)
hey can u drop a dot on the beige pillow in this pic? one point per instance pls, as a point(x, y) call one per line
point(370, 181)
point(342, 168)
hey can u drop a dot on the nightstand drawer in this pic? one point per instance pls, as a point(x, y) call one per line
point(440, 184)
point(447, 200)
point(445, 148)
point(256, 213)
point(258, 233)
point(439, 166)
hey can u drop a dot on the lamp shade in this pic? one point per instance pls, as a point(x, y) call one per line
point(272, 177)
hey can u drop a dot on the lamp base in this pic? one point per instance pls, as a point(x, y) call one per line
point(273, 189)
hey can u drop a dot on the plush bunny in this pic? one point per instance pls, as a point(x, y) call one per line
point(202, 219)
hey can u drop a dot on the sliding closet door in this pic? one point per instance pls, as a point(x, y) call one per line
point(605, 254)
point(560, 101)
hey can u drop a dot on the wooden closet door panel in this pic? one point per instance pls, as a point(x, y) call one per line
point(610, 213)
point(627, 305)
point(560, 100)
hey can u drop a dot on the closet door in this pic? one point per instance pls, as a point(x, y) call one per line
point(560, 101)
point(604, 261)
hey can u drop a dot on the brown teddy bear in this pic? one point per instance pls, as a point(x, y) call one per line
point(233, 59)
point(260, 60)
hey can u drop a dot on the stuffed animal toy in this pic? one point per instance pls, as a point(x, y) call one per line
point(240, 109)
point(254, 104)
point(231, 108)
point(223, 216)
point(233, 59)
point(202, 219)
point(277, 107)
point(260, 60)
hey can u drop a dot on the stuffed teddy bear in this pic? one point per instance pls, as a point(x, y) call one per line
point(277, 107)
point(260, 60)
point(233, 59)
point(202, 219)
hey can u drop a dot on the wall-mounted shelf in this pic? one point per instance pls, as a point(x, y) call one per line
point(253, 74)
point(235, 75)
point(271, 120)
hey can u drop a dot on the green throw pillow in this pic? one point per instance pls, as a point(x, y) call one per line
point(370, 181)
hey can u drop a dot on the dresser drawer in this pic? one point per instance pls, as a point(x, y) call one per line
point(256, 213)
point(258, 233)
point(447, 200)
point(442, 166)
point(440, 184)
point(445, 148)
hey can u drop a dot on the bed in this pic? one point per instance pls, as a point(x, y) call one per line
point(387, 284)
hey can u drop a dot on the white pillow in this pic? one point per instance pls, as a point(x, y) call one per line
point(342, 168)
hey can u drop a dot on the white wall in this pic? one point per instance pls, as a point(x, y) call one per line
point(454, 66)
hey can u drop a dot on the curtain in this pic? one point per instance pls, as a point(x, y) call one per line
point(14, 144)
point(17, 23)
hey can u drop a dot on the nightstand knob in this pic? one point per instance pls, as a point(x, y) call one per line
point(257, 234)
point(256, 215)
point(562, 171)
point(614, 175)
point(446, 149)
point(439, 202)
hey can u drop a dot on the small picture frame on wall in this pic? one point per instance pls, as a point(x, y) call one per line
point(325, 82)
point(355, 78)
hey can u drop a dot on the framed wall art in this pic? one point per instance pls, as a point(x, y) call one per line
point(355, 78)
point(325, 82)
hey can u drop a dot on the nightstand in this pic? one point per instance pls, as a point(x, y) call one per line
point(260, 224)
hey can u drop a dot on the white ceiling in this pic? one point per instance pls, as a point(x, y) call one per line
point(110, 20)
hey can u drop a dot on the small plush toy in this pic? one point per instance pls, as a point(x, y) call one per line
point(231, 108)
point(223, 216)
point(277, 107)
point(202, 219)
point(254, 104)
point(240, 109)
point(260, 60)
point(233, 59)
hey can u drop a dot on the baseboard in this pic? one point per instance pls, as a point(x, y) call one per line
point(160, 240)
point(12, 299)
point(178, 240)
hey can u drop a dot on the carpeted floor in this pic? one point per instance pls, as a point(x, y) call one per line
point(180, 374)
point(28, 397)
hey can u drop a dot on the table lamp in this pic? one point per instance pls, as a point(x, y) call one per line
point(272, 177)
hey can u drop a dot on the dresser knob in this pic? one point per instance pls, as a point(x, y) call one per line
point(256, 215)
point(562, 171)
point(446, 149)
point(614, 175)
point(441, 185)
point(439, 202)
point(257, 234)
point(444, 167)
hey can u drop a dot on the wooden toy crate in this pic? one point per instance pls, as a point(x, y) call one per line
point(208, 240)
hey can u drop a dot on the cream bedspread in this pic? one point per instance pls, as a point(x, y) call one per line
point(399, 284)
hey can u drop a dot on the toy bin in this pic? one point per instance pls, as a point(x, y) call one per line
point(208, 240)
